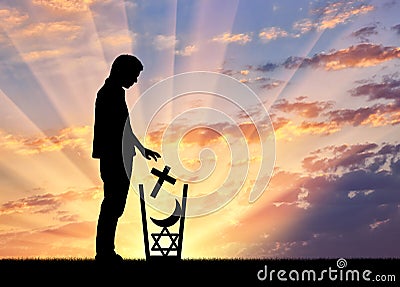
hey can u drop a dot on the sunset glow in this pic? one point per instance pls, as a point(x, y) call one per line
point(326, 74)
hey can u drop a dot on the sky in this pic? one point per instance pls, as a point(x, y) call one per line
point(294, 102)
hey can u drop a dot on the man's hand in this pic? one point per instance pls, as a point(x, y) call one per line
point(149, 154)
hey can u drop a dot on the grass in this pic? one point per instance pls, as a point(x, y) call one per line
point(210, 272)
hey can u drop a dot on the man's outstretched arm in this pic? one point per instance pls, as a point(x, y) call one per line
point(147, 153)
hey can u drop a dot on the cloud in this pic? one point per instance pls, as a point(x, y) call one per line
point(332, 158)
point(261, 82)
point(246, 76)
point(82, 229)
point(338, 13)
point(304, 109)
point(69, 240)
point(364, 33)
point(303, 26)
point(227, 38)
point(164, 42)
point(388, 89)
point(279, 122)
point(74, 138)
point(119, 39)
point(250, 132)
point(67, 217)
point(209, 133)
point(286, 127)
point(10, 18)
point(335, 120)
point(300, 202)
point(326, 17)
point(351, 198)
point(70, 6)
point(41, 40)
point(322, 118)
point(17, 25)
point(354, 117)
point(48, 202)
point(268, 83)
point(378, 223)
point(202, 137)
point(43, 54)
point(66, 29)
point(187, 51)
point(316, 128)
point(396, 28)
point(329, 16)
point(272, 33)
point(367, 156)
point(379, 114)
point(268, 67)
point(34, 204)
point(358, 56)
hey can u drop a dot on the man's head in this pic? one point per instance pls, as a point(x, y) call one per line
point(126, 70)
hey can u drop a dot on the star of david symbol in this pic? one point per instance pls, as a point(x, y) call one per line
point(164, 250)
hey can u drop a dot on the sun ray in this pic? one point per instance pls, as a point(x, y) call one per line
point(22, 126)
point(156, 49)
point(290, 74)
point(211, 55)
point(194, 22)
point(56, 54)
point(66, 90)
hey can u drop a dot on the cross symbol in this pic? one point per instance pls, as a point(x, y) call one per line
point(162, 176)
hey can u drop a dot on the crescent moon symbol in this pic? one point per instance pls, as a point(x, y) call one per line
point(170, 220)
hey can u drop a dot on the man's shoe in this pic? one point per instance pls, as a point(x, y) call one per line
point(110, 258)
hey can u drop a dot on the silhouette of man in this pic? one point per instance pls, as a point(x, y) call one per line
point(114, 143)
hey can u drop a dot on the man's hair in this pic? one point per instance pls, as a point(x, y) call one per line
point(125, 64)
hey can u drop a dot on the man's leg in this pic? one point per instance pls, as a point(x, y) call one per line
point(116, 186)
point(110, 211)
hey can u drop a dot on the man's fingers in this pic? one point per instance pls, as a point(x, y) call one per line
point(152, 154)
